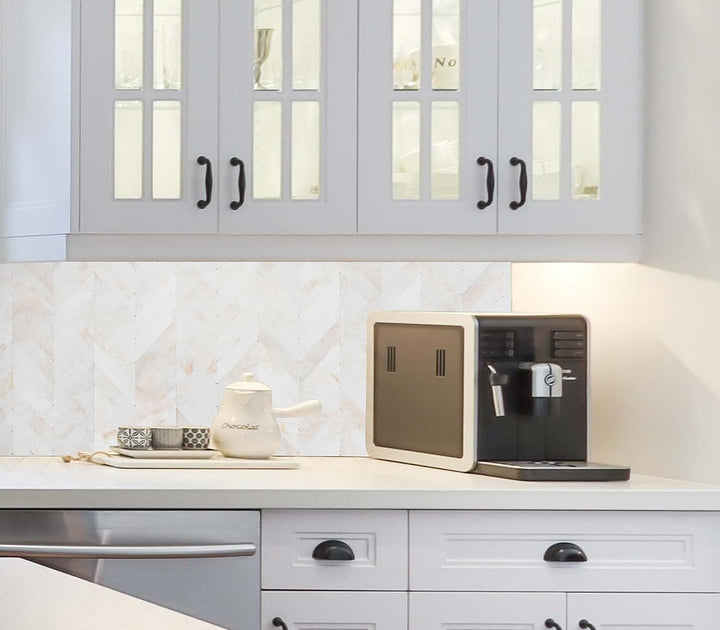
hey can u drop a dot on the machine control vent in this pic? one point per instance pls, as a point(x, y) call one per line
point(440, 362)
point(568, 344)
point(391, 359)
point(497, 344)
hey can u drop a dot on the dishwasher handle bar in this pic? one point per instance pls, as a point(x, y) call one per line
point(129, 552)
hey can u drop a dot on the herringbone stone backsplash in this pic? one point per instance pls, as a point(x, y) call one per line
point(86, 347)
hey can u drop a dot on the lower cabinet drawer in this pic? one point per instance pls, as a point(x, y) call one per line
point(353, 550)
point(333, 611)
point(543, 611)
point(486, 611)
point(519, 551)
point(643, 611)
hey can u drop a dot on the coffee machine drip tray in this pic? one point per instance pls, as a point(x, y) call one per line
point(553, 471)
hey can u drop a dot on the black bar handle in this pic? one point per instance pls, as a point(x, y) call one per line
point(490, 182)
point(516, 161)
point(242, 183)
point(585, 625)
point(279, 623)
point(565, 552)
point(204, 203)
point(335, 550)
point(551, 623)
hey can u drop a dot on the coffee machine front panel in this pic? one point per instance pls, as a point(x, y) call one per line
point(538, 367)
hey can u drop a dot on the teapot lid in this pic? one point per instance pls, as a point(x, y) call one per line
point(249, 384)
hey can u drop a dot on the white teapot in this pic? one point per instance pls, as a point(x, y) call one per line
point(245, 425)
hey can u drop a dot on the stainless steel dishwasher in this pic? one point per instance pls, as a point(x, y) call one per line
point(204, 564)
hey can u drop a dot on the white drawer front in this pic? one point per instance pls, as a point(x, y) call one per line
point(378, 539)
point(486, 611)
point(311, 610)
point(644, 611)
point(626, 551)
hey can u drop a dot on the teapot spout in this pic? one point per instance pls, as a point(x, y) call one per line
point(307, 408)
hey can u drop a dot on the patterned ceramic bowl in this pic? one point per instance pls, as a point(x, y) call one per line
point(166, 438)
point(138, 438)
point(196, 438)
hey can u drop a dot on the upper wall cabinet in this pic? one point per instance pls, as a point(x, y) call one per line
point(428, 113)
point(35, 118)
point(500, 116)
point(571, 87)
point(149, 116)
point(321, 129)
point(201, 116)
point(288, 116)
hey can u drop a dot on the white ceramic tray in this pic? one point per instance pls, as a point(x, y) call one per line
point(165, 454)
point(120, 461)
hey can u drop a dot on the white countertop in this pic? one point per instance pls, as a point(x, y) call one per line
point(327, 482)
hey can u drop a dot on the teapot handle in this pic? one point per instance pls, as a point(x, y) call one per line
point(307, 408)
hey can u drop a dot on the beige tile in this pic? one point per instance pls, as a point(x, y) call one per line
point(87, 347)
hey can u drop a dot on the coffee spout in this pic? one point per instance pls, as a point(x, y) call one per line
point(547, 387)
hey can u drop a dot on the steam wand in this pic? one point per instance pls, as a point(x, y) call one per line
point(497, 381)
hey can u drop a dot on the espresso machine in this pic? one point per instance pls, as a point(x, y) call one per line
point(500, 395)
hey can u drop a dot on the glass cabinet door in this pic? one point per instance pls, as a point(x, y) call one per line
point(148, 156)
point(570, 124)
point(288, 101)
point(428, 116)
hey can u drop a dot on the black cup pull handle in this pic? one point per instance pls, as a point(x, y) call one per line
point(490, 182)
point(335, 550)
point(516, 161)
point(204, 203)
point(551, 623)
point(279, 623)
point(242, 183)
point(585, 625)
point(565, 552)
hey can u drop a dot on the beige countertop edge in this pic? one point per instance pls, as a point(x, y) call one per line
point(319, 499)
point(328, 483)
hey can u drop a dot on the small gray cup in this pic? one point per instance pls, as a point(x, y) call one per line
point(196, 438)
point(136, 438)
point(167, 438)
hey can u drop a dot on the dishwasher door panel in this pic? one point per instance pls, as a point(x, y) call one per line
point(223, 589)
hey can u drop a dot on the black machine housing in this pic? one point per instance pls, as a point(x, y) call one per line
point(529, 389)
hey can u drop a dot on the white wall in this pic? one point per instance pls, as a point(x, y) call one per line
point(655, 373)
point(656, 346)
